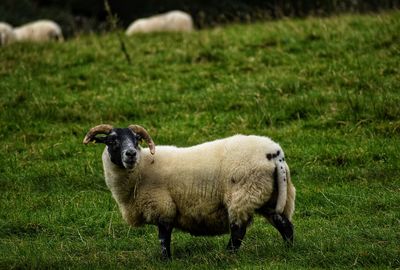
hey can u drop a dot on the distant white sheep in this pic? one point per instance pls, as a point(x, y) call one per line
point(7, 35)
point(42, 30)
point(173, 21)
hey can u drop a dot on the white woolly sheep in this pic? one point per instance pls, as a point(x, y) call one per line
point(207, 189)
point(42, 30)
point(7, 35)
point(173, 21)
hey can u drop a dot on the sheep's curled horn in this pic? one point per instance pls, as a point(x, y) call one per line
point(106, 129)
point(145, 135)
point(100, 129)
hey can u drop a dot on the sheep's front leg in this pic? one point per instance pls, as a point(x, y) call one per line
point(237, 234)
point(164, 235)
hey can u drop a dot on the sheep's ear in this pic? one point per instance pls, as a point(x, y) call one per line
point(100, 129)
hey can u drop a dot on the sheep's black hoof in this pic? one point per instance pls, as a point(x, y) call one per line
point(165, 255)
point(231, 248)
point(288, 238)
point(237, 235)
point(285, 228)
point(164, 235)
point(165, 251)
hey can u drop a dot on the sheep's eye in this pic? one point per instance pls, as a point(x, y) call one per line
point(112, 140)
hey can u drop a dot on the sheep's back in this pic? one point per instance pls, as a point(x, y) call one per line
point(170, 21)
point(42, 30)
point(208, 170)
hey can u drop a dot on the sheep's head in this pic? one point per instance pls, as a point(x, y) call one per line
point(122, 143)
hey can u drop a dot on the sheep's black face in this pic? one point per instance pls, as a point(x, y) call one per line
point(123, 147)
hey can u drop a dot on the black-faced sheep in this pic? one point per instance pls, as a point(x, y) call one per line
point(173, 21)
point(207, 189)
point(42, 30)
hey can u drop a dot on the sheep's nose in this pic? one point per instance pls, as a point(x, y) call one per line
point(130, 153)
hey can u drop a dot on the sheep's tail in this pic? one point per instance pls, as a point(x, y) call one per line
point(282, 177)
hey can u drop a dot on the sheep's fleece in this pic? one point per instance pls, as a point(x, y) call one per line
point(41, 30)
point(173, 21)
point(207, 189)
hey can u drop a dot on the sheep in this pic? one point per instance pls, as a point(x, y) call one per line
point(7, 35)
point(173, 21)
point(207, 189)
point(38, 31)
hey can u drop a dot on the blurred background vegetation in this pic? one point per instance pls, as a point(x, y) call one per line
point(77, 16)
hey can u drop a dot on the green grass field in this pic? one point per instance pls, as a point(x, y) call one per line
point(328, 90)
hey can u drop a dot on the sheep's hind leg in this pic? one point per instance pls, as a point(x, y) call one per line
point(164, 235)
point(283, 225)
point(237, 234)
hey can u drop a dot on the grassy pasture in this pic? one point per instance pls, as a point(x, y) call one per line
point(328, 90)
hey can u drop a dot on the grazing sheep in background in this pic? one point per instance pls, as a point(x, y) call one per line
point(173, 21)
point(207, 189)
point(7, 35)
point(42, 30)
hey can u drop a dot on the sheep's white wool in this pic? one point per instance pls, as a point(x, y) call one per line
point(173, 21)
point(208, 185)
point(42, 30)
point(7, 35)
